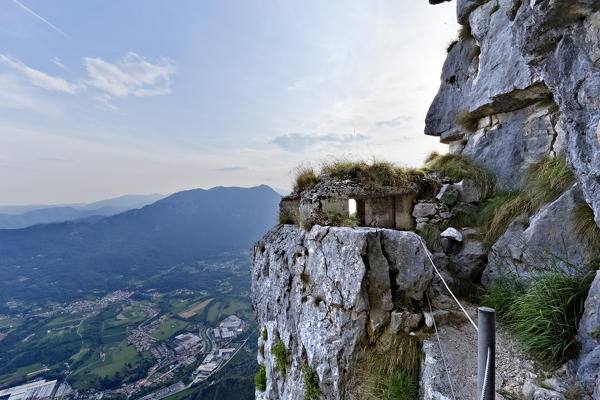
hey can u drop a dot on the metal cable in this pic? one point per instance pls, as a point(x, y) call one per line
point(441, 349)
point(445, 284)
point(485, 376)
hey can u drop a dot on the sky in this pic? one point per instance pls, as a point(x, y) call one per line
point(99, 99)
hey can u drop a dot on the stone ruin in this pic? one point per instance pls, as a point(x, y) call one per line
point(382, 207)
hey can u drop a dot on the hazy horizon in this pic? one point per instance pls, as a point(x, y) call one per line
point(101, 99)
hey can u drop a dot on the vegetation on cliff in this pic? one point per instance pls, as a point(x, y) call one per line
point(542, 183)
point(392, 371)
point(542, 314)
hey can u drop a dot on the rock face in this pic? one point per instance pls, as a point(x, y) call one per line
point(589, 337)
point(326, 294)
point(547, 238)
point(524, 82)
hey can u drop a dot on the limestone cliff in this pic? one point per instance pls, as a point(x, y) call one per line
point(521, 84)
point(327, 295)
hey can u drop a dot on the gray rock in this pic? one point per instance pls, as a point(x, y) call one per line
point(327, 292)
point(453, 234)
point(523, 54)
point(440, 317)
point(448, 195)
point(547, 238)
point(468, 191)
point(470, 260)
point(534, 392)
point(588, 371)
point(424, 209)
point(404, 321)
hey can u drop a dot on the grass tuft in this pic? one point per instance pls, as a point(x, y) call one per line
point(392, 373)
point(374, 174)
point(451, 45)
point(304, 277)
point(464, 32)
point(260, 378)
point(264, 333)
point(543, 317)
point(281, 357)
point(468, 121)
point(542, 183)
point(458, 167)
point(495, 8)
point(305, 179)
point(585, 225)
point(311, 383)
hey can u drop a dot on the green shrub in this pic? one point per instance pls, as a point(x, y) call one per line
point(286, 218)
point(392, 372)
point(260, 378)
point(544, 316)
point(264, 334)
point(305, 179)
point(586, 227)
point(311, 383)
point(281, 357)
point(459, 167)
point(542, 183)
point(375, 174)
point(336, 219)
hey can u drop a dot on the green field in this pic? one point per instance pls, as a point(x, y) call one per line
point(116, 359)
point(168, 328)
point(213, 312)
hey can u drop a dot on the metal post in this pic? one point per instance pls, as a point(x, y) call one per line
point(486, 346)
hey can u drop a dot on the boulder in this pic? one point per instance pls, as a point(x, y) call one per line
point(328, 292)
point(404, 321)
point(448, 195)
point(470, 260)
point(453, 234)
point(424, 209)
point(548, 238)
point(535, 392)
point(468, 191)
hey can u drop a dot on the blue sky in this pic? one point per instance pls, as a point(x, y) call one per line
point(104, 98)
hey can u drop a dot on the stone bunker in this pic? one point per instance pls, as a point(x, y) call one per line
point(383, 207)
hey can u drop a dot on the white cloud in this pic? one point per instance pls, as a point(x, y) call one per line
point(106, 101)
point(298, 142)
point(39, 78)
point(132, 75)
point(58, 62)
point(16, 96)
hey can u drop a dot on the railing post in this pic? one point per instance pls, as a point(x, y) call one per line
point(486, 346)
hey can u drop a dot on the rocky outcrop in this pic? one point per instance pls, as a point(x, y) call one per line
point(588, 371)
point(524, 82)
point(326, 294)
point(548, 238)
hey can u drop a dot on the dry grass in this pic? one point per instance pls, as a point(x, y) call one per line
point(393, 372)
point(375, 174)
point(542, 183)
point(464, 32)
point(586, 227)
point(459, 167)
point(468, 120)
point(305, 179)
